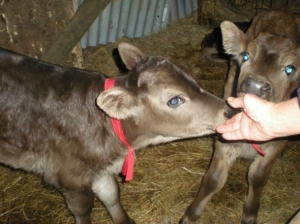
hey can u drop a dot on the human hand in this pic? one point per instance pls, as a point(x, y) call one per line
point(253, 123)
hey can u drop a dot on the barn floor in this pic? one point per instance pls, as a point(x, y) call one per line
point(166, 177)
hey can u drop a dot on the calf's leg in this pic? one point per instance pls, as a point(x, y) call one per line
point(80, 204)
point(258, 176)
point(107, 189)
point(213, 181)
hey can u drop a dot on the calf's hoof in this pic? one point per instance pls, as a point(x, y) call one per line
point(186, 220)
point(249, 221)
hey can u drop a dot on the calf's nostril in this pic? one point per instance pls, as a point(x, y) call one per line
point(248, 82)
point(266, 87)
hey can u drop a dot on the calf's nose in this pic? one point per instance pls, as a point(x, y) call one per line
point(254, 86)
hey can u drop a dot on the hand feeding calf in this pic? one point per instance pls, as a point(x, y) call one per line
point(59, 122)
point(268, 57)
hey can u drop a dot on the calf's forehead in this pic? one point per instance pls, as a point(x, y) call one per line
point(280, 21)
point(273, 43)
point(270, 49)
point(161, 71)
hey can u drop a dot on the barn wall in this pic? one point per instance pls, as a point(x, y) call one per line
point(134, 18)
point(29, 27)
point(212, 12)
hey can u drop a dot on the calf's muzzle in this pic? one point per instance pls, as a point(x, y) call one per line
point(254, 86)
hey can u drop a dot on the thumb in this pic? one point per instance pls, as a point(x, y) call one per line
point(253, 102)
point(236, 102)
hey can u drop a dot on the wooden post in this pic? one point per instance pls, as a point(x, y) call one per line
point(76, 28)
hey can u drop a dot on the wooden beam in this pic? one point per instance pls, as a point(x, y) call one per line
point(76, 28)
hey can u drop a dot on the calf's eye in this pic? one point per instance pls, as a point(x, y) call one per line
point(175, 102)
point(246, 56)
point(289, 69)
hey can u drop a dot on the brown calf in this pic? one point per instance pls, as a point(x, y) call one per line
point(55, 121)
point(268, 56)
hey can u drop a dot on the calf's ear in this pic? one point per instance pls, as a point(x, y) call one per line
point(234, 40)
point(118, 103)
point(130, 55)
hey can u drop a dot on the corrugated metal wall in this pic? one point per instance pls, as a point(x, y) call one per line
point(134, 18)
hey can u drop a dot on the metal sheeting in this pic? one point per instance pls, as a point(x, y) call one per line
point(134, 18)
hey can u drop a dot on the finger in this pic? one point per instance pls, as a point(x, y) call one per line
point(236, 135)
point(236, 102)
point(231, 124)
point(228, 127)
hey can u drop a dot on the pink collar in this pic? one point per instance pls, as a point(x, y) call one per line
point(127, 169)
point(258, 149)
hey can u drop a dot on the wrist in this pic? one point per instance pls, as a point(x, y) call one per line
point(286, 119)
point(272, 128)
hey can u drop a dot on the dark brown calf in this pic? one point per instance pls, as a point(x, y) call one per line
point(55, 121)
point(268, 56)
